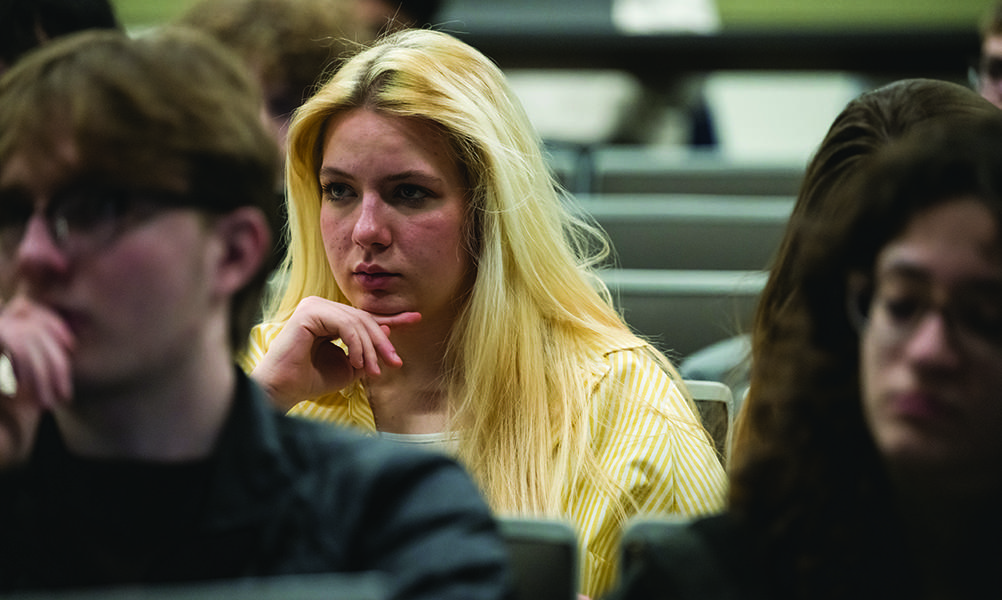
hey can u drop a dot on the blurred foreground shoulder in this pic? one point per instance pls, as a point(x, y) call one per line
point(413, 514)
point(711, 558)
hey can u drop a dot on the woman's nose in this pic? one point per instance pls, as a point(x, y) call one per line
point(932, 344)
point(372, 227)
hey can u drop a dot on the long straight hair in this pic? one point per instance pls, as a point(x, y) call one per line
point(536, 316)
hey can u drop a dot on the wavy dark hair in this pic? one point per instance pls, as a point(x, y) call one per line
point(806, 477)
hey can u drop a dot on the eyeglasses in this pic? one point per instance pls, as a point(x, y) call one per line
point(82, 219)
point(896, 308)
point(990, 68)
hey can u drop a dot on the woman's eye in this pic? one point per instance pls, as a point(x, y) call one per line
point(903, 309)
point(983, 316)
point(335, 191)
point(412, 194)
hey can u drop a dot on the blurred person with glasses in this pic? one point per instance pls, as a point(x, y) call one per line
point(83, 218)
point(986, 76)
point(873, 471)
point(136, 236)
point(925, 290)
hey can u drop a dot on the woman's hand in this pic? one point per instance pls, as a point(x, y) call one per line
point(37, 345)
point(303, 363)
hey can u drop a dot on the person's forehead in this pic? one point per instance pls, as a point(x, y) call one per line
point(41, 171)
point(40, 167)
point(952, 241)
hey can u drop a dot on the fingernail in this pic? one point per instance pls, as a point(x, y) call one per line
point(8, 382)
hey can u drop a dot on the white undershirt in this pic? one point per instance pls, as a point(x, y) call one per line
point(443, 441)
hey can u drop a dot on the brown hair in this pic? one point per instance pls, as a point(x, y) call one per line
point(865, 125)
point(151, 112)
point(806, 477)
point(288, 43)
point(991, 22)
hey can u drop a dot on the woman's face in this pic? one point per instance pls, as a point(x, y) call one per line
point(392, 215)
point(932, 350)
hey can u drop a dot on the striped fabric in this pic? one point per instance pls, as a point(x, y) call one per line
point(640, 429)
point(639, 426)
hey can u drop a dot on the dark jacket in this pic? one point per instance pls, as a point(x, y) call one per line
point(721, 558)
point(278, 496)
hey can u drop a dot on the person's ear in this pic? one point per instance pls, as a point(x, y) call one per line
point(246, 243)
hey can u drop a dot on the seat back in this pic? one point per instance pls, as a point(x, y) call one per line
point(544, 557)
point(689, 232)
point(666, 553)
point(645, 534)
point(338, 586)
point(667, 170)
point(683, 311)
point(715, 403)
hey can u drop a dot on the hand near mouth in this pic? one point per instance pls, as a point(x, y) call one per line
point(302, 361)
point(36, 345)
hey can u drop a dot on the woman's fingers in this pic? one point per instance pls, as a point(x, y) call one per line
point(386, 324)
point(333, 365)
point(302, 362)
point(365, 335)
point(404, 318)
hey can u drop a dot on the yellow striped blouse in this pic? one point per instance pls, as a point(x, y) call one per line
point(639, 432)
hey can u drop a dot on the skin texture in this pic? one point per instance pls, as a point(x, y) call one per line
point(392, 216)
point(990, 89)
point(930, 390)
point(102, 309)
point(143, 316)
point(392, 220)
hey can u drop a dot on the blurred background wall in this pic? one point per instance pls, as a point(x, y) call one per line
point(684, 126)
point(759, 78)
point(733, 13)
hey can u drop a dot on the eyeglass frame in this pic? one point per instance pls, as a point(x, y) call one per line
point(861, 290)
point(119, 206)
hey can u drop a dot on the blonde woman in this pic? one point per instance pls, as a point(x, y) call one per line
point(429, 243)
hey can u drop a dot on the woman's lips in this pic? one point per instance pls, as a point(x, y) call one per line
point(921, 406)
point(374, 280)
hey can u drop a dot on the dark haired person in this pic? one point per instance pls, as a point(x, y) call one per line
point(870, 463)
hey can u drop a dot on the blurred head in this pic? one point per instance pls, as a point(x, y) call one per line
point(392, 15)
point(895, 354)
point(106, 143)
point(803, 367)
point(879, 378)
point(923, 257)
point(287, 44)
point(866, 125)
point(989, 69)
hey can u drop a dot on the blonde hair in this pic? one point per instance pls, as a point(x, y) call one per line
point(537, 314)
